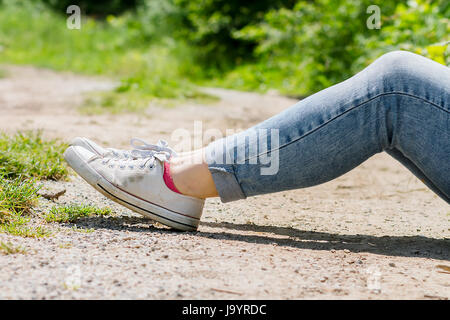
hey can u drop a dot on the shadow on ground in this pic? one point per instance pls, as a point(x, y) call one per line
point(403, 246)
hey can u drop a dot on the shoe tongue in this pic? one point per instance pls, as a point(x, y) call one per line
point(162, 156)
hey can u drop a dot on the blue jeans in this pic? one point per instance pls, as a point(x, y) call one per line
point(399, 104)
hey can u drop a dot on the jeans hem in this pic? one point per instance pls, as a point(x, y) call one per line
point(223, 175)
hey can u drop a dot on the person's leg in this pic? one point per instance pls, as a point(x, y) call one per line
point(191, 175)
point(399, 104)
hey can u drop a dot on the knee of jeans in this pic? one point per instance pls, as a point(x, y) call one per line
point(397, 68)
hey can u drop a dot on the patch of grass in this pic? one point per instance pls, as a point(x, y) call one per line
point(2, 73)
point(66, 245)
point(9, 248)
point(24, 159)
point(115, 102)
point(27, 155)
point(16, 198)
point(21, 229)
point(82, 230)
point(72, 213)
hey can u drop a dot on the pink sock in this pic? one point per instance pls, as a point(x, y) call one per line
point(168, 178)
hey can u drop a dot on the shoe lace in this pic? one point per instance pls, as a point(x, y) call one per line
point(141, 155)
point(142, 149)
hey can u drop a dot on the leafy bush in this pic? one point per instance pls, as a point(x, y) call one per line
point(320, 43)
point(421, 26)
point(210, 24)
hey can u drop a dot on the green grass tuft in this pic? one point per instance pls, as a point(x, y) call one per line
point(82, 230)
point(9, 248)
point(16, 198)
point(73, 213)
point(21, 229)
point(29, 156)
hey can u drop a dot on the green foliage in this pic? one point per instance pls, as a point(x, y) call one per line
point(210, 24)
point(30, 33)
point(119, 46)
point(158, 19)
point(320, 43)
point(161, 48)
point(27, 155)
point(421, 26)
point(72, 213)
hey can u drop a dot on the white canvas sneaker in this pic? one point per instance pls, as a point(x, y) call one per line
point(138, 184)
point(140, 148)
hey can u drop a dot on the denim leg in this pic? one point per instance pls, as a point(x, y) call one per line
point(399, 104)
point(417, 172)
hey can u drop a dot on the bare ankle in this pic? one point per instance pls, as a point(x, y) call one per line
point(191, 175)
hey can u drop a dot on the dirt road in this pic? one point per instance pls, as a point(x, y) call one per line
point(374, 233)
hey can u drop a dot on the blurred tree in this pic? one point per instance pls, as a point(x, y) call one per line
point(210, 24)
point(319, 43)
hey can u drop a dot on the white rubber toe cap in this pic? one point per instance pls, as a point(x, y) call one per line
point(82, 153)
point(88, 145)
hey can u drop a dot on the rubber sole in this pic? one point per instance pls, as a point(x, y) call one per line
point(147, 209)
